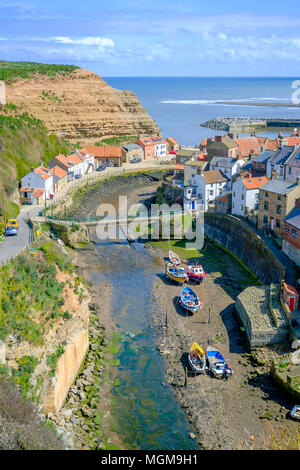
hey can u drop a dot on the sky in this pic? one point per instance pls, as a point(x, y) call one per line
point(157, 37)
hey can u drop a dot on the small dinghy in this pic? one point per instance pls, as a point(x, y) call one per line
point(197, 359)
point(174, 258)
point(176, 274)
point(217, 364)
point(295, 413)
point(189, 299)
point(196, 273)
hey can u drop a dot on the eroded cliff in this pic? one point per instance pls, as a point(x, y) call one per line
point(81, 106)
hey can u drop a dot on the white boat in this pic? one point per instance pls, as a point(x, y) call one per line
point(174, 258)
point(217, 364)
point(196, 358)
point(295, 413)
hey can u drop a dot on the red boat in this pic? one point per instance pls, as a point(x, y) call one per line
point(196, 273)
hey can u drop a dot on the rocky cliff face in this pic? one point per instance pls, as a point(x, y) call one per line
point(81, 106)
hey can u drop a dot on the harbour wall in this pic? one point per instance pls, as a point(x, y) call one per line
point(241, 241)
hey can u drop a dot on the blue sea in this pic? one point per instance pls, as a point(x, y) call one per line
point(180, 104)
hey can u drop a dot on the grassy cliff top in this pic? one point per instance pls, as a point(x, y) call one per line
point(14, 70)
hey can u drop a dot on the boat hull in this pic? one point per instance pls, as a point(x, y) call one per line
point(195, 368)
point(179, 280)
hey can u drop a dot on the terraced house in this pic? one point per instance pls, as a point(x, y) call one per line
point(276, 200)
point(278, 161)
point(291, 236)
point(154, 147)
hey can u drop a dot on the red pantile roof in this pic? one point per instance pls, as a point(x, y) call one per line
point(172, 140)
point(44, 173)
point(58, 171)
point(248, 145)
point(254, 182)
point(147, 141)
point(111, 151)
point(38, 193)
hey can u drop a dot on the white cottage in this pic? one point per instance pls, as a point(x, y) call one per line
point(245, 194)
point(39, 178)
point(204, 189)
point(229, 167)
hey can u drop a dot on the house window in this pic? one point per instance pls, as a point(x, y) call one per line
point(278, 209)
point(294, 233)
point(265, 219)
point(287, 229)
point(266, 194)
point(277, 223)
point(290, 170)
point(211, 193)
point(242, 197)
point(233, 193)
point(266, 206)
point(279, 197)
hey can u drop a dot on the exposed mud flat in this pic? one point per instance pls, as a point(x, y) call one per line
point(225, 414)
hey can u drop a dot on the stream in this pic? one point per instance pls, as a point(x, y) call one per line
point(146, 413)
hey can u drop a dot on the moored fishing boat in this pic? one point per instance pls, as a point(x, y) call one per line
point(176, 274)
point(189, 299)
point(217, 364)
point(295, 413)
point(196, 358)
point(174, 258)
point(196, 273)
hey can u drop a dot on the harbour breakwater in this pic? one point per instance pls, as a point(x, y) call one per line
point(243, 124)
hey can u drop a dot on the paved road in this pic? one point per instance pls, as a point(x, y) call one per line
point(11, 246)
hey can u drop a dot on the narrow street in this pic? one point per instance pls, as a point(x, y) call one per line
point(11, 246)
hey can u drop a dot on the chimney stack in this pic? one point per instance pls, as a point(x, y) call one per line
point(218, 138)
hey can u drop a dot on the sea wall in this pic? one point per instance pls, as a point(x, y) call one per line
point(237, 237)
point(75, 336)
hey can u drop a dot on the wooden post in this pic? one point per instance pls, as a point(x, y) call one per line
point(166, 319)
point(185, 377)
point(209, 315)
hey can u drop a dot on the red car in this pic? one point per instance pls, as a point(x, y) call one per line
point(173, 152)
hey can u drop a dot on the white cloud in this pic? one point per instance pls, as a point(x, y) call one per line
point(87, 41)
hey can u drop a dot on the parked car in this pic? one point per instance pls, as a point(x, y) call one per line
point(136, 160)
point(10, 231)
point(12, 223)
point(77, 177)
point(172, 152)
point(101, 168)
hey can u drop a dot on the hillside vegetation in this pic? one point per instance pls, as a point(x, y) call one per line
point(13, 70)
point(24, 143)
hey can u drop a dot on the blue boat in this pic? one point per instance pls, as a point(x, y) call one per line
point(217, 364)
point(189, 299)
